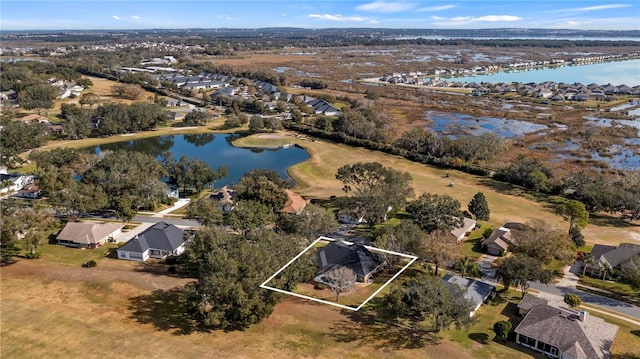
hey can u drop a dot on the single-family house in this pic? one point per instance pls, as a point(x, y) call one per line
point(224, 196)
point(157, 241)
point(353, 256)
point(467, 226)
point(476, 291)
point(173, 192)
point(14, 181)
point(295, 203)
point(563, 333)
point(87, 234)
point(33, 118)
point(611, 256)
point(498, 242)
point(30, 190)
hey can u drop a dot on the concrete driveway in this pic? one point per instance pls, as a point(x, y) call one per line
point(484, 262)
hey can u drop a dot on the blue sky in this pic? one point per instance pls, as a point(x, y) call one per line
point(145, 14)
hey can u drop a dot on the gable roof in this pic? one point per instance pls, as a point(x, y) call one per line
point(612, 255)
point(500, 237)
point(468, 224)
point(295, 203)
point(163, 236)
point(563, 329)
point(474, 290)
point(87, 233)
point(354, 256)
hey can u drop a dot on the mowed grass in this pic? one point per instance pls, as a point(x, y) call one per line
point(315, 178)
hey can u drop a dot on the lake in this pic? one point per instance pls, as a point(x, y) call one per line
point(216, 150)
point(615, 73)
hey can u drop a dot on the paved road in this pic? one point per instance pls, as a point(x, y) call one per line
point(555, 292)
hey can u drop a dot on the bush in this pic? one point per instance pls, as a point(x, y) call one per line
point(319, 286)
point(572, 300)
point(89, 264)
point(35, 255)
point(502, 329)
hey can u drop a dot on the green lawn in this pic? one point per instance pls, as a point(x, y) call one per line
point(480, 338)
point(471, 246)
point(616, 290)
point(74, 256)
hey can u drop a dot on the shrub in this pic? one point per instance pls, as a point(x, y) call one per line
point(319, 286)
point(502, 329)
point(572, 300)
point(35, 255)
point(89, 264)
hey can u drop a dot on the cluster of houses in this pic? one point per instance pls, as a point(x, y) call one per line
point(225, 196)
point(547, 90)
point(222, 85)
point(158, 241)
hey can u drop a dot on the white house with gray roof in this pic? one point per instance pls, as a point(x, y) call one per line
point(474, 290)
point(158, 241)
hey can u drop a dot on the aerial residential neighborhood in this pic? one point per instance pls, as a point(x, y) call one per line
point(363, 179)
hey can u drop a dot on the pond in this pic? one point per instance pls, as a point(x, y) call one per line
point(457, 124)
point(216, 150)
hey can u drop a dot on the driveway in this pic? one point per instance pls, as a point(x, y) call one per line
point(484, 262)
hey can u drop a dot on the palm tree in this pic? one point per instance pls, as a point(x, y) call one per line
point(474, 270)
point(587, 259)
point(606, 269)
point(463, 264)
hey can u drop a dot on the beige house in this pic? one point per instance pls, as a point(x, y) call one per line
point(87, 235)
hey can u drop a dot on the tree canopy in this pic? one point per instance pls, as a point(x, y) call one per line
point(376, 190)
point(229, 270)
point(433, 212)
point(479, 207)
point(521, 270)
point(429, 299)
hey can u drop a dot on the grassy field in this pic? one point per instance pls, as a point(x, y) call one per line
point(315, 178)
point(124, 309)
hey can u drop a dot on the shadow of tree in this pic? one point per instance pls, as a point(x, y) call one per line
point(366, 326)
point(164, 309)
point(482, 338)
point(605, 219)
point(636, 333)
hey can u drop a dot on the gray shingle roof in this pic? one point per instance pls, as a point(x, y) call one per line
point(354, 256)
point(564, 330)
point(163, 236)
point(474, 290)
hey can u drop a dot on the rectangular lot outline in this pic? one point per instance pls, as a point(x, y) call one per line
point(323, 238)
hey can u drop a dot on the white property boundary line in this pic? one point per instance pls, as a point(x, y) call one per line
point(321, 238)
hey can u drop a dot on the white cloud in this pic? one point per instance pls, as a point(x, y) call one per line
point(115, 17)
point(603, 7)
point(572, 23)
point(135, 17)
point(337, 17)
point(437, 8)
point(283, 14)
point(438, 18)
point(594, 8)
point(385, 6)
